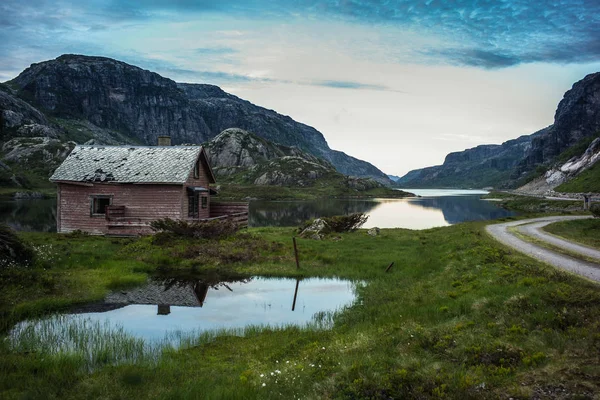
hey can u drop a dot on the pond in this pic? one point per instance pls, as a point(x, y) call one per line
point(168, 309)
point(434, 207)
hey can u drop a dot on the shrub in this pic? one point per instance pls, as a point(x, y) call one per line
point(13, 252)
point(595, 209)
point(339, 223)
point(216, 229)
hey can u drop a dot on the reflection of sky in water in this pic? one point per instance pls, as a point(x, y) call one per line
point(404, 214)
point(258, 302)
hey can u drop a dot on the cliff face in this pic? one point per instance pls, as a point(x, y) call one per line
point(577, 117)
point(139, 105)
point(481, 166)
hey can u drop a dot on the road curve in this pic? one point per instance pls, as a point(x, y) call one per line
point(587, 269)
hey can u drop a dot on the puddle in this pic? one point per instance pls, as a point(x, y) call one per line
point(171, 311)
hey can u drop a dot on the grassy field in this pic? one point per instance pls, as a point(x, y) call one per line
point(586, 182)
point(585, 231)
point(458, 316)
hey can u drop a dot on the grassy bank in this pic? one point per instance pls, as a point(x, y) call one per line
point(585, 231)
point(586, 182)
point(458, 316)
point(529, 204)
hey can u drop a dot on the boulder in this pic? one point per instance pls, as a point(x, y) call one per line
point(373, 231)
point(316, 230)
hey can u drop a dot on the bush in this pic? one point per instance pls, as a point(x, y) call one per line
point(340, 223)
point(216, 229)
point(595, 209)
point(13, 252)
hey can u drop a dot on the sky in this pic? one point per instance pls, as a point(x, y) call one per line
point(397, 83)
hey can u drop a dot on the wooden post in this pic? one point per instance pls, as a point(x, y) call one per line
point(389, 267)
point(295, 294)
point(296, 253)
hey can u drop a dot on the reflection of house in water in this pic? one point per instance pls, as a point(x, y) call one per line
point(165, 294)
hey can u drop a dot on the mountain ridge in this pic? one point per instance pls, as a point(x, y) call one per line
point(519, 160)
point(142, 105)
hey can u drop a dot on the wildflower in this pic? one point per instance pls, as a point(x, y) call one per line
point(322, 348)
point(262, 375)
point(264, 384)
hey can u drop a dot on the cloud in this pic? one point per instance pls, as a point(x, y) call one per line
point(350, 85)
point(478, 33)
point(215, 51)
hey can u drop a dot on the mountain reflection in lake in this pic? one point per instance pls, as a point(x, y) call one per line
point(436, 208)
point(194, 306)
point(37, 215)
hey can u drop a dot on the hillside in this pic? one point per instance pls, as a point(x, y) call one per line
point(517, 161)
point(84, 98)
point(247, 165)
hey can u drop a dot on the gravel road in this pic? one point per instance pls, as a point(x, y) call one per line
point(532, 227)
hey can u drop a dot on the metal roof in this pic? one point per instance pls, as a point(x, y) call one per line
point(128, 164)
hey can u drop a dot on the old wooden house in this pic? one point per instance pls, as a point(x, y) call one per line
point(119, 190)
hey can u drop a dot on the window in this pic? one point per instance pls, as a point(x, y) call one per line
point(193, 205)
point(98, 205)
point(196, 169)
point(204, 201)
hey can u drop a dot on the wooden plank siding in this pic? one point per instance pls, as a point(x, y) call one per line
point(143, 204)
point(219, 209)
point(202, 181)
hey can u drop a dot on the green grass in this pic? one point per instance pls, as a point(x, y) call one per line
point(587, 181)
point(530, 204)
point(458, 316)
point(586, 231)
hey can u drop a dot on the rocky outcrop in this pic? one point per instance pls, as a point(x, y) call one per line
point(234, 150)
point(143, 105)
point(555, 176)
point(15, 113)
point(241, 157)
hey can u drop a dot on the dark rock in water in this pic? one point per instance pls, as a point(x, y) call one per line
point(143, 105)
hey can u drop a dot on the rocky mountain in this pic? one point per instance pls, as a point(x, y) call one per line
point(108, 101)
point(481, 166)
point(242, 158)
point(560, 177)
point(509, 164)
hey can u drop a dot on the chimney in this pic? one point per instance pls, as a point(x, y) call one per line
point(164, 140)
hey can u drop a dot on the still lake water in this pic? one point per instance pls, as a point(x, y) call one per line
point(162, 307)
point(435, 207)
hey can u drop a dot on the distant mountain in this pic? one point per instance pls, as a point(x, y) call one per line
point(108, 101)
point(515, 161)
point(394, 177)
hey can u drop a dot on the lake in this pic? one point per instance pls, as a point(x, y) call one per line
point(434, 208)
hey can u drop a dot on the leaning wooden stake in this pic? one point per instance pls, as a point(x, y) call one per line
point(296, 253)
point(295, 294)
point(389, 267)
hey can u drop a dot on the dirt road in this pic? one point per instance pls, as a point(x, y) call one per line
point(532, 228)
